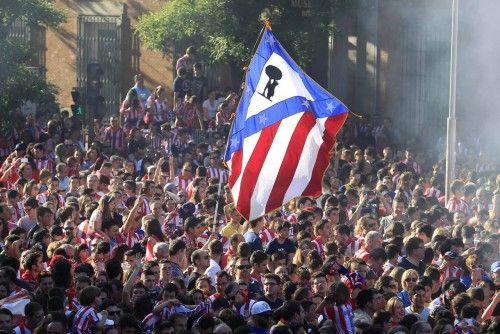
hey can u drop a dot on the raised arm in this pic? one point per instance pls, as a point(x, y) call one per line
point(128, 225)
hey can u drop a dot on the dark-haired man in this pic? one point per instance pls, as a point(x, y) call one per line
point(281, 242)
point(45, 220)
point(417, 306)
point(415, 251)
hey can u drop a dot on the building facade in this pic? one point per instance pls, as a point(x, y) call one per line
point(390, 59)
point(99, 34)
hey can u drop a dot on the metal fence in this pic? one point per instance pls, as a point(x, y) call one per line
point(99, 42)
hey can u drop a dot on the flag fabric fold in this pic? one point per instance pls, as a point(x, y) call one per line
point(16, 303)
point(284, 129)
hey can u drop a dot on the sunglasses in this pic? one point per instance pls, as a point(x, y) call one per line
point(410, 279)
point(243, 266)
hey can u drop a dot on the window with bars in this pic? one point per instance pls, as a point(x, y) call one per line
point(99, 42)
point(32, 36)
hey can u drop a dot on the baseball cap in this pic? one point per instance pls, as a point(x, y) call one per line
point(20, 147)
point(495, 266)
point(260, 308)
point(169, 187)
point(187, 209)
point(451, 255)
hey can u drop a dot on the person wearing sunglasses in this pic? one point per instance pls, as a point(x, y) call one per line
point(408, 281)
point(238, 299)
point(242, 272)
point(114, 312)
point(386, 285)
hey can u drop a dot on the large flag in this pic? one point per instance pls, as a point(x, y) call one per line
point(16, 303)
point(285, 127)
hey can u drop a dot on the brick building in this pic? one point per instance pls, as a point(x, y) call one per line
point(101, 32)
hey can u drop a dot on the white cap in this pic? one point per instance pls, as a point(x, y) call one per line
point(259, 308)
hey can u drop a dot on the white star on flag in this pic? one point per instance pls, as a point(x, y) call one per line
point(235, 142)
point(305, 103)
point(248, 90)
point(263, 119)
point(329, 106)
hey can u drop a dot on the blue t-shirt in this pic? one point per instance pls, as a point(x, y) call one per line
point(286, 247)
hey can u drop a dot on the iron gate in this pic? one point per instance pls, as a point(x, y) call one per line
point(99, 42)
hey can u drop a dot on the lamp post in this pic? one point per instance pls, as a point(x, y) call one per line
point(451, 134)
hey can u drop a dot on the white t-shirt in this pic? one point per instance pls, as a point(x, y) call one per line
point(211, 108)
point(213, 269)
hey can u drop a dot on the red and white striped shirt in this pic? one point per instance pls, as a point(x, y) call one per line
point(18, 211)
point(148, 323)
point(318, 243)
point(131, 238)
point(451, 272)
point(149, 249)
point(44, 162)
point(171, 222)
point(42, 198)
point(181, 182)
point(144, 208)
point(74, 305)
point(456, 204)
point(115, 137)
point(131, 112)
point(82, 230)
point(160, 109)
point(85, 319)
point(154, 140)
point(433, 192)
point(353, 246)
point(221, 174)
point(342, 317)
point(22, 329)
point(362, 254)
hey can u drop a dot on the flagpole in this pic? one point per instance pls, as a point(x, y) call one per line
point(452, 121)
point(267, 25)
point(217, 202)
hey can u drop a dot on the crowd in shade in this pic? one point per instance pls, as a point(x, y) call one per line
point(132, 229)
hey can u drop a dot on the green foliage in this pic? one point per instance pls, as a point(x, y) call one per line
point(226, 30)
point(42, 12)
point(18, 83)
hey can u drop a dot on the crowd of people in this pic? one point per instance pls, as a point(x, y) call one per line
point(135, 231)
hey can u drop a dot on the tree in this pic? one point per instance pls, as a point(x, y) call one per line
point(225, 30)
point(18, 83)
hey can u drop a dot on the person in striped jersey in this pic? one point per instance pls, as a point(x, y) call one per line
point(336, 307)
point(86, 320)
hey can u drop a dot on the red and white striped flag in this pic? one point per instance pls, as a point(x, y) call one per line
point(285, 127)
point(16, 303)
